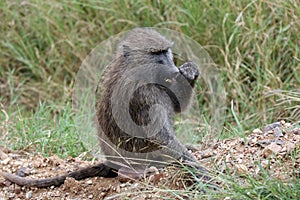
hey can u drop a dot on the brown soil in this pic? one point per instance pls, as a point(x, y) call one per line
point(269, 149)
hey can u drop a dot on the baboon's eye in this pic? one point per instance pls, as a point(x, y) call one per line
point(160, 52)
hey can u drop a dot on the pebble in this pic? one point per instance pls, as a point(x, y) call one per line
point(5, 161)
point(278, 132)
point(296, 131)
point(207, 153)
point(11, 196)
point(28, 195)
point(241, 168)
point(290, 146)
point(17, 189)
point(288, 125)
point(3, 155)
point(102, 194)
point(272, 148)
point(152, 169)
point(257, 131)
point(271, 127)
point(264, 163)
point(89, 182)
point(135, 185)
point(118, 189)
point(122, 185)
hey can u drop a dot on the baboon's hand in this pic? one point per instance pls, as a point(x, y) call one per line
point(190, 71)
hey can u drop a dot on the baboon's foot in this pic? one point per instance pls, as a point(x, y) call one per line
point(126, 174)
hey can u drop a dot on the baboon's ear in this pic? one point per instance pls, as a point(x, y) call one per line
point(126, 50)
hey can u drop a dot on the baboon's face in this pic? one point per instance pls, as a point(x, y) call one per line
point(163, 57)
point(154, 60)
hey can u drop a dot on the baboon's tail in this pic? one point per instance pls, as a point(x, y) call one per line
point(100, 169)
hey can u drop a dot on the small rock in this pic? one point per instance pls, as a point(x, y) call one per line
point(4, 183)
point(5, 161)
point(14, 155)
point(90, 196)
point(3, 155)
point(296, 131)
point(278, 132)
point(118, 189)
point(283, 150)
point(287, 125)
point(264, 163)
point(296, 138)
point(21, 196)
point(55, 194)
point(271, 127)
point(134, 186)
point(122, 185)
point(102, 194)
point(271, 149)
point(17, 189)
point(152, 170)
point(253, 140)
point(12, 196)
point(28, 195)
point(241, 168)
point(156, 177)
point(11, 188)
point(207, 153)
point(37, 164)
point(257, 131)
point(89, 182)
point(18, 163)
point(264, 143)
point(290, 146)
point(282, 177)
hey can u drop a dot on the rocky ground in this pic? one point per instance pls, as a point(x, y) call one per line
point(268, 148)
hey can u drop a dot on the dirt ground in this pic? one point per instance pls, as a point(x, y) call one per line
point(271, 146)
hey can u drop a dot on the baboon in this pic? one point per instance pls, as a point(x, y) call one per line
point(137, 98)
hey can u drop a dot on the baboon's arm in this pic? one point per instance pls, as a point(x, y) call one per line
point(181, 86)
point(173, 148)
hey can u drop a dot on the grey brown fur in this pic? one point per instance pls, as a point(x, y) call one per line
point(148, 49)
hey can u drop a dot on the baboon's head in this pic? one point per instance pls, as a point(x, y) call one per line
point(146, 46)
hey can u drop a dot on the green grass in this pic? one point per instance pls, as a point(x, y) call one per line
point(48, 130)
point(255, 45)
point(265, 187)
